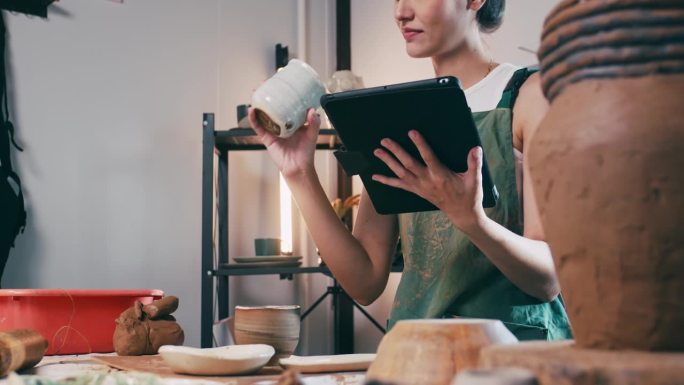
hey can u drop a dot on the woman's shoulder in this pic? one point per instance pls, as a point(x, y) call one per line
point(530, 96)
point(530, 107)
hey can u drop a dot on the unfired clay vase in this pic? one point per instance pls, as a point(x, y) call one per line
point(607, 168)
point(277, 326)
point(431, 352)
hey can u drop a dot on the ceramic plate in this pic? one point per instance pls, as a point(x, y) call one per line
point(320, 364)
point(267, 258)
point(235, 359)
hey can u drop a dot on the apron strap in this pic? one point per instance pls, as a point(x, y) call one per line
point(513, 87)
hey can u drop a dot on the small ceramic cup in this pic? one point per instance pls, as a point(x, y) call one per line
point(266, 246)
point(277, 326)
point(343, 80)
point(281, 102)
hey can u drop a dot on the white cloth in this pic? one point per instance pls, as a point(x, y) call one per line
point(485, 94)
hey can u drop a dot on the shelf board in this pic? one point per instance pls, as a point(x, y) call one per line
point(237, 139)
point(234, 269)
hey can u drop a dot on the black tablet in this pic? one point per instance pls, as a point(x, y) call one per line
point(436, 108)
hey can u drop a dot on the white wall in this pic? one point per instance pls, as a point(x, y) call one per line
point(108, 98)
point(107, 101)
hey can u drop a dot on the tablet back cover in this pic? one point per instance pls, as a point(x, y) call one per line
point(437, 108)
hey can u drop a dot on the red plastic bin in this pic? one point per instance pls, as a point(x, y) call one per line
point(73, 321)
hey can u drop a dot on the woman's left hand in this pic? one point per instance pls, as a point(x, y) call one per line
point(459, 195)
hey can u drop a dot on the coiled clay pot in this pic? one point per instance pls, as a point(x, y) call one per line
point(433, 351)
point(607, 165)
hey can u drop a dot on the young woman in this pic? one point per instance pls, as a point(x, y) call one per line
point(462, 260)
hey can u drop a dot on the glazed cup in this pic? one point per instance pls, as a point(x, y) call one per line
point(266, 246)
point(281, 103)
point(277, 326)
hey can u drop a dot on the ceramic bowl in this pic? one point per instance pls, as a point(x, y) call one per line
point(225, 360)
point(277, 326)
point(432, 352)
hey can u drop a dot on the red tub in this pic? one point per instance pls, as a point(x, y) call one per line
point(73, 321)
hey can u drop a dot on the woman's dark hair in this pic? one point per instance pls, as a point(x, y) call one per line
point(490, 16)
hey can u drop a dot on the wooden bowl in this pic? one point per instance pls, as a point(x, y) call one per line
point(277, 326)
point(432, 352)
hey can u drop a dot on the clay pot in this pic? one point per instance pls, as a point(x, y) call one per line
point(277, 326)
point(432, 352)
point(606, 165)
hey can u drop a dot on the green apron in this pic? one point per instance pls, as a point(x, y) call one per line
point(445, 275)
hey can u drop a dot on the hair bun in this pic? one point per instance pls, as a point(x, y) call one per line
point(490, 16)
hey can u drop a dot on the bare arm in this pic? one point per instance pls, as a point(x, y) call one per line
point(524, 260)
point(360, 265)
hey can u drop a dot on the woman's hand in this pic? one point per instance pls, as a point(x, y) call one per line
point(293, 155)
point(459, 195)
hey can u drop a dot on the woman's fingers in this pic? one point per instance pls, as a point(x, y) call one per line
point(394, 182)
point(425, 150)
point(475, 164)
point(407, 161)
point(313, 119)
point(311, 126)
point(397, 168)
point(263, 134)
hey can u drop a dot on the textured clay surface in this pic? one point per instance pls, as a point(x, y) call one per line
point(561, 363)
point(607, 167)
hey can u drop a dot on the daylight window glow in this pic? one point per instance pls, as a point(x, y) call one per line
point(285, 217)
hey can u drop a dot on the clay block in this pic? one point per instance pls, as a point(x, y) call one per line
point(142, 329)
point(562, 363)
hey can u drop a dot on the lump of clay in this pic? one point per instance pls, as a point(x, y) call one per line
point(142, 329)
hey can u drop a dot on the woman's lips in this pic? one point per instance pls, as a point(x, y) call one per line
point(410, 34)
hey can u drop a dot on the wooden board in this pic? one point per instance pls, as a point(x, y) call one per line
point(561, 363)
point(156, 365)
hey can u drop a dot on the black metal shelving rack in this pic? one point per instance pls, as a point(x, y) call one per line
point(220, 143)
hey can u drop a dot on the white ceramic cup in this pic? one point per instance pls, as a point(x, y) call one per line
point(281, 102)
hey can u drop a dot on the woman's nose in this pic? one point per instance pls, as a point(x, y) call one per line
point(403, 11)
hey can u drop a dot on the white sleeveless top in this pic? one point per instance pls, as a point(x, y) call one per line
point(485, 95)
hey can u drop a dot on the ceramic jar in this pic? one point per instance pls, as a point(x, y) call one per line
point(277, 326)
point(606, 165)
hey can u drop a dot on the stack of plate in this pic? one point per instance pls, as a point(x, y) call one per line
point(268, 261)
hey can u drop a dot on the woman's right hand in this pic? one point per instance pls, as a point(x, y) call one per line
point(293, 155)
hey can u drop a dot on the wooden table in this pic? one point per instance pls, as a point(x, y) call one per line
point(61, 367)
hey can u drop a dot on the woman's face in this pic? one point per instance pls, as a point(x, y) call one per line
point(432, 27)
